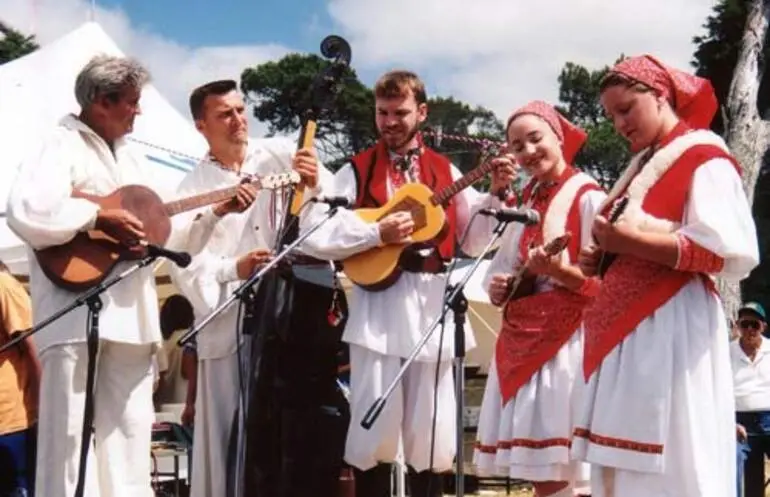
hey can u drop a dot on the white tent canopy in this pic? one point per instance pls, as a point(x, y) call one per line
point(38, 89)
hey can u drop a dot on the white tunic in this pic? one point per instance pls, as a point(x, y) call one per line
point(42, 213)
point(209, 280)
point(212, 275)
point(392, 321)
point(669, 384)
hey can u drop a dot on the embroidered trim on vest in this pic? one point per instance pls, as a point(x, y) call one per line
point(557, 213)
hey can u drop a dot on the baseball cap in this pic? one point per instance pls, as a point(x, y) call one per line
point(754, 307)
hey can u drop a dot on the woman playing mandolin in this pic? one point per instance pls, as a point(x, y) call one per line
point(525, 423)
point(657, 417)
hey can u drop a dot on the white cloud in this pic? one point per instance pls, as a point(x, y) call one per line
point(176, 69)
point(496, 53)
point(503, 53)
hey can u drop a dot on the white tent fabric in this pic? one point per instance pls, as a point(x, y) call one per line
point(38, 89)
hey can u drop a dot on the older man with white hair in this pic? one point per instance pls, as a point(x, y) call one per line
point(88, 152)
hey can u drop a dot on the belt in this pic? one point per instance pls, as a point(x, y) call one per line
point(413, 261)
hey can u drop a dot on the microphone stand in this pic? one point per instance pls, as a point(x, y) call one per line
point(456, 301)
point(92, 299)
point(241, 291)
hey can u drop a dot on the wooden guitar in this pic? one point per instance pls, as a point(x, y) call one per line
point(86, 260)
point(378, 268)
point(515, 288)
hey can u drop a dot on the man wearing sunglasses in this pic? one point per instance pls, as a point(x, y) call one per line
point(750, 357)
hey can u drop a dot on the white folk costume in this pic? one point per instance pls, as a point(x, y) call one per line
point(658, 415)
point(525, 425)
point(207, 282)
point(42, 212)
point(384, 326)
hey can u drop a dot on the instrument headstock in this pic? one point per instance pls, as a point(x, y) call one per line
point(278, 181)
point(617, 209)
point(329, 82)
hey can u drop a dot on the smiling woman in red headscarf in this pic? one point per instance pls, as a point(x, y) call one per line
point(525, 424)
point(657, 413)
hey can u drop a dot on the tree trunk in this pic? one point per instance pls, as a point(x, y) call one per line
point(746, 132)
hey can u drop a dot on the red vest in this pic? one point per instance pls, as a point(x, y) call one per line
point(371, 169)
point(633, 288)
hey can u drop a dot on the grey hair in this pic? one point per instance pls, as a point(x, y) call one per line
point(106, 75)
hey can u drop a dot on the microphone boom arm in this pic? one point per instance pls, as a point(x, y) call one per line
point(252, 280)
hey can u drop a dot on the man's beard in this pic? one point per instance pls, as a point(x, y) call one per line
point(409, 137)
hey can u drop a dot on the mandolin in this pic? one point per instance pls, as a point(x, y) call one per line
point(515, 288)
point(378, 268)
point(86, 260)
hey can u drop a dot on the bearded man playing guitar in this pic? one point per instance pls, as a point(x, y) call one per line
point(238, 246)
point(89, 153)
point(384, 326)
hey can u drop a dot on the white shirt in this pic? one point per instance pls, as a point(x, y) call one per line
point(42, 212)
point(751, 379)
point(212, 276)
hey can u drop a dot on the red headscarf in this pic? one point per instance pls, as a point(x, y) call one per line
point(571, 136)
point(692, 98)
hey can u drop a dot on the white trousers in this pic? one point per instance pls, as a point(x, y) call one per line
point(215, 404)
point(408, 412)
point(119, 456)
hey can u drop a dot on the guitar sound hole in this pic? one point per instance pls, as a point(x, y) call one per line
point(414, 207)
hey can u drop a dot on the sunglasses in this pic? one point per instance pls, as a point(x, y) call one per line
point(749, 324)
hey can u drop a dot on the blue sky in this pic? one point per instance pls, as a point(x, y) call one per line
point(299, 24)
point(495, 53)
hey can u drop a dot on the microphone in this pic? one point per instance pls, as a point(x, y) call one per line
point(526, 216)
point(181, 259)
point(334, 201)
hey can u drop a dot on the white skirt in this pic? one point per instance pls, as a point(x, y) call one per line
point(529, 438)
point(658, 416)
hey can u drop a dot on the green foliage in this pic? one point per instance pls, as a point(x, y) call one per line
point(280, 91)
point(716, 54)
point(605, 154)
point(453, 117)
point(14, 44)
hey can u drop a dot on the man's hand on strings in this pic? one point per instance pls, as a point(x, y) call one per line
point(252, 261)
point(396, 227)
point(504, 172)
point(306, 164)
point(121, 225)
point(245, 195)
